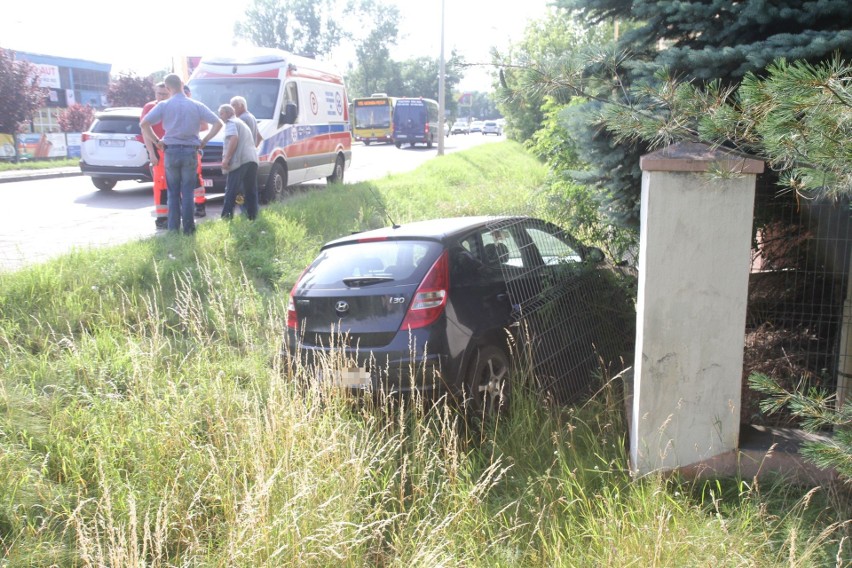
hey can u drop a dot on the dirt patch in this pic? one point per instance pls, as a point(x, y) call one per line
point(777, 353)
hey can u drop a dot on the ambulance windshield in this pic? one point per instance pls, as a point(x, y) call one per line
point(260, 94)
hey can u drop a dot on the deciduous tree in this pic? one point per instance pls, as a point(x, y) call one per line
point(20, 94)
point(420, 78)
point(375, 70)
point(130, 90)
point(75, 118)
point(303, 27)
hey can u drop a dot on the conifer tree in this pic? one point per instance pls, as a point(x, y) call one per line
point(696, 41)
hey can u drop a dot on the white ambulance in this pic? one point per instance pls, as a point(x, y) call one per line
point(302, 112)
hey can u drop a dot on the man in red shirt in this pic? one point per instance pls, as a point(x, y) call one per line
point(158, 172)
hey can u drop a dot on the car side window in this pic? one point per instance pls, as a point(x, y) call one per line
point(501, 249)
point(553, 249)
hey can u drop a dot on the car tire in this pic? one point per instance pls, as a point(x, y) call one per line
point(276, 184)
point(366, 142)
point(103, 184)
point(337, 174)
point(398, 144)
point(488, 381)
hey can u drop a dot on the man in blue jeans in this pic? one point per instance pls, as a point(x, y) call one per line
point(182, 118)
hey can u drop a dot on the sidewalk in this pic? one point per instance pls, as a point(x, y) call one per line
point(47, 173)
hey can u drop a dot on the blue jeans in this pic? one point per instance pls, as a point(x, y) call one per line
point(245, 178)
point(181, 178)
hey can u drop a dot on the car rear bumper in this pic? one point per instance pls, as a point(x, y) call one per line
point(393, 369)
point(138, 173)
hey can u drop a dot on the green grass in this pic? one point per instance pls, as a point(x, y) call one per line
point(6, 166)
point(147, 419)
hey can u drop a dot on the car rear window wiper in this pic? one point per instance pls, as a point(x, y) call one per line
point(366, 280)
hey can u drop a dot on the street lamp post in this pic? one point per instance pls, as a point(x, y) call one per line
point(441, 105)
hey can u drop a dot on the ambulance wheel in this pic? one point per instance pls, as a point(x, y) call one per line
point(276, 184)
point(103, 184)
point(337, 173)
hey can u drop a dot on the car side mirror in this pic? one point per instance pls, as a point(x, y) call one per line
point(289, 114)
point(594, 255)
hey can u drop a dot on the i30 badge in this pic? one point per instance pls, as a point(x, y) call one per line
point(341, 307)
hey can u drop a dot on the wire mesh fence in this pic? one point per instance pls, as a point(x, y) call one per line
point(797, 288)
point(575, 312)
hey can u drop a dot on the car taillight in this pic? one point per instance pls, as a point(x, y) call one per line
point(431, 296)
point(140, 138)
point(292, 318)
point(85, 136)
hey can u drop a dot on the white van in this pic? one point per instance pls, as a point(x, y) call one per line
point(302, 112)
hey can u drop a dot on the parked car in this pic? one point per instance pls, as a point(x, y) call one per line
point(460, 127)
point(113, 149)
point(491, 127)
point(476, 126)
point(434, 305)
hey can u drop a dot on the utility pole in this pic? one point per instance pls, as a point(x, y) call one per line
point(441, 105)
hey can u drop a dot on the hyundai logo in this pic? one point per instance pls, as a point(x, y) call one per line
point(341, 307)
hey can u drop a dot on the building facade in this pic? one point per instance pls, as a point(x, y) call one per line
point(68, 81)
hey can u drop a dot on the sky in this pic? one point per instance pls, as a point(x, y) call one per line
point(107, 32)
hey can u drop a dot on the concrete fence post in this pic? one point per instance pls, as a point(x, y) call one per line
point(693, 286)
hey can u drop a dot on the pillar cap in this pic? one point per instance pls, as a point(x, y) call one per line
point(698, 157)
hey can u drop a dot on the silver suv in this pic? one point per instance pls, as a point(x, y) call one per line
point(113, 149)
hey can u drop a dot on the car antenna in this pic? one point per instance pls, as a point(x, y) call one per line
point(383, 208)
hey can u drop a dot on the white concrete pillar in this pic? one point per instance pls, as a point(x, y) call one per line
point(691, 306)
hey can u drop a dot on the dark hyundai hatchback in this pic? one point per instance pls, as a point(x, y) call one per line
point(435, 305)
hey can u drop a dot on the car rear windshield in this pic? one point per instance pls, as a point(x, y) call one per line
point(116, 125)
point(390, 262)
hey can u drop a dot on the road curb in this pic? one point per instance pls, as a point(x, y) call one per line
point(27, 176)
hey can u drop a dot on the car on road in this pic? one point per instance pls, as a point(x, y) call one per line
point(476, 126)
point(460, 127)
point(433, 307)
point(491, 127)
point(112, 149)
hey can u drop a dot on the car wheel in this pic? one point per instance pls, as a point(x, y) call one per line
point(398, 144)
point(276, 184)
point(366, 142)
point(103, 184)
point(488, 381)
point(337, 174)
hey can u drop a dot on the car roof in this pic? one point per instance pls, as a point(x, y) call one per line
point(433, 229)
point(135, 112)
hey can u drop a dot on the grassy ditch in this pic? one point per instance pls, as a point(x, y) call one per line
point(7, 166)
point(146, 419)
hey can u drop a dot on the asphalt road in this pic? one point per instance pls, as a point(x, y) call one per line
point(44, 217)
